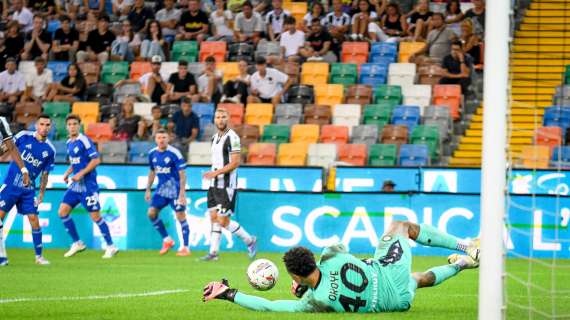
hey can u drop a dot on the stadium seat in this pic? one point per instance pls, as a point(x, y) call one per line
point(205, 112)
point(235, 110)
point(259, 113)
point(114, 71)
point(557, 116)
point(27, 112)
point(292, 69)
point(430, 74)
point(239, 51)
point(262, 154)
point(207, 132)
point(230, 70)
point(448, 95)
point(409, 48)
point(549, 136)
point(354, 52)
point(305, 133)
point(561, 157)
point(377, 114)
point(200, 153)
point(113, 152)
point(167, 69)
point(292, 154)
point(382, 155)
point(217, 49)
point(315, 73)
point(297, 10)
point(321, 154)
point(26, 68)
point(144, 109)
point(394, 134)
point(288, 113)
point(414, 155)
point(57, 109)
point(126, 90)
point(417, 95)
point(60, 128)
point(334, 134)
point(440, 117)
point(87, 111)
point(383, 52)
point(138, 151)
point(90, 70)
point(329, 94)
point(317, 114)
point(195, 68)
point(354, 154)
point(184, 50)
point(139, 68)
point(99, 132)
point(401, 74)
point(373, 74)
point(359, 94)
point(267, 48)
point(100, 92)
point(302, 94)
point(276, 134)
point(248, 134)
point(58, 69)
point(534, 157)
point(346, 115)
point(366, 134)
point(428, 135)
point(389, 93)
point(60, 151)
point(343, 73)
point(408, 116)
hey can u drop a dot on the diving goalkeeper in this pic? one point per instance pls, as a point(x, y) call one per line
point(341, 282)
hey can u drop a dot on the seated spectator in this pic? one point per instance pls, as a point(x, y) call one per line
point(193, 23)
point(13, 43)
point(12, 83)
point(22, 15)
point(185, 124)
point(235, 90)
point(210, 82)
point(476, 15)
point(337, 23)
point(43, 8)
point(98, 45)
point(471, 41)
point(420, 18)
point(153, 43)
point(248, 25)
point(267, 84)
point(452, 11)
point(72, 87)
point(317, 11)
point(457, 67)
point(157, 122)
point(38, 41)
point(152, 83)
point(361, 20)
point(38, 82)
point(126, 43)
point(95, 6)
point(221, 21)
point(439, 40)
point(140, 16)
point(121, 8)
point(318, 44)
point(180, 84)
point(128, 125)
point(168, 18)
point(291, 40)
point(66, 41)
point(84, 27)
point(393, 23)
point(275, 20)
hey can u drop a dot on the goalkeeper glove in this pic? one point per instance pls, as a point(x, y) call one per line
point(219, 290)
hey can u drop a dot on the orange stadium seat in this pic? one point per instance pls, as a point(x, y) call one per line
point(138, 68)
point(99, 132)
point(306, 133)
point(235, 110)
point(355, 52)
point(355, 154)
point(292, 154)
point(262, 154)
point(87, 111)
point(407, 49)
point(334, 134)
point(217, 49)
point(548, 136)
point(259, 114)
point(315, 73)
point(329, 94)
point(448, 95)
point(535, 157)
point(229, 69)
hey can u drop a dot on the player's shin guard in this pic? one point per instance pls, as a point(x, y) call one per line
point(215, 238)
point(432, 237)
point(70, 227)
point(239, 231)
point(185, 232)
point(444, 272)
point(104, 228)
point(2, 248)
point(37, 239)
point(159, 226)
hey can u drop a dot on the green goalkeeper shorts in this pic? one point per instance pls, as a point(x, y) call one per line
point(394, 257)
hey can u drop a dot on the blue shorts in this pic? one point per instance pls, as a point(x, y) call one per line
point(89, 200)
point(24, 199)
point(159, 202)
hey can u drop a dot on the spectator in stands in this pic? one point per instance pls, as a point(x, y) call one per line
point(318, 44)
point(180, 84)
point(157, 122)
point(13, 43)
point(12, 83)
point(23, 15)
point(248, 25)
point(267, 84)
point(457, 67)
point(185, 124)
point(420, 18)
point(210, 82)
point(128, 125)
point(168, 18)
point(476, 15)
point(275, 20)
point(95, 6)
point(452, 11)
point(126, 43)
point(85, 24)
point(361, 20)
point(388, 186)
point(221, 21)
point(291, 40)
point(152, 83)
point(393, 23)
point(72, 87)
point(235, 90)
point(261, 6)
point(439, 40)
point(153, 43)
point(140, 16)
point(98, 45)
point(193, 23)
point(317, 11)
point(471, 41)
point(38, 41)
point(37, 82)
point(66, 41)
point(43, 8)
point(337, 22)
point(121, 8)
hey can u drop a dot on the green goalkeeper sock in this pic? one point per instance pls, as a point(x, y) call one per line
point(444, 272)
point(432, 237)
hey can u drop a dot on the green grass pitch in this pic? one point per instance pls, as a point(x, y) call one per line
point(143, 285)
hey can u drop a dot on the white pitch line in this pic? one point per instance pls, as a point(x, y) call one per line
point(97, 297)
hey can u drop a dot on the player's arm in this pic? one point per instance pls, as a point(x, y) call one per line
point(43, 185)
point(88, 168)
point(10, 145)
point(67, 173)
point(149, 182)
point(182, 195)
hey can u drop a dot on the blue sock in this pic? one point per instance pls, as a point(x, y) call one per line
point(70, 227)
point(444, 272)
point(159, 226)
point(104, 228)
point(185, 232)
point(37, 238)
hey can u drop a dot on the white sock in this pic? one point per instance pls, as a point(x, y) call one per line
point(239, 231)
point(215, 238)
point(2, 249)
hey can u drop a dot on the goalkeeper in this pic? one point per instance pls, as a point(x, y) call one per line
point(341, 282)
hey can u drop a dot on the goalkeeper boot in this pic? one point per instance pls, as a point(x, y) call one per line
point(473, 250)
point(463, 261)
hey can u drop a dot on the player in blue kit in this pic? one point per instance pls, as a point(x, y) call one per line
point(83, 188)
point(166, 163)
point(38, 155)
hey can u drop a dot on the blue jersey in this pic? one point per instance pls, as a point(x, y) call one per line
point(38, 157)
point(81, 151)
point(166, 165)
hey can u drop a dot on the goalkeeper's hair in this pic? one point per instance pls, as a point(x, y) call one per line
point(300, 261)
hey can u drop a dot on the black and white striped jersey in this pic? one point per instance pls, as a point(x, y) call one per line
point(222, 146)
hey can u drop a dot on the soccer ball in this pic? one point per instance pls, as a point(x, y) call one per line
point(262, 274)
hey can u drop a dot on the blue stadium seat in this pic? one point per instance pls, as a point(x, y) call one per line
point(414, 155)
point(373, 74)
point(557, 116)
point(60, 151)
point(561, 157)
point(138, 151)
point(383, 52)
point(59, 69)
point(52, 26)
point(409, 116)
point(205, 112)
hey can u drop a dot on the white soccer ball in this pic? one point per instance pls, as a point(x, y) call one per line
point(262, 274)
